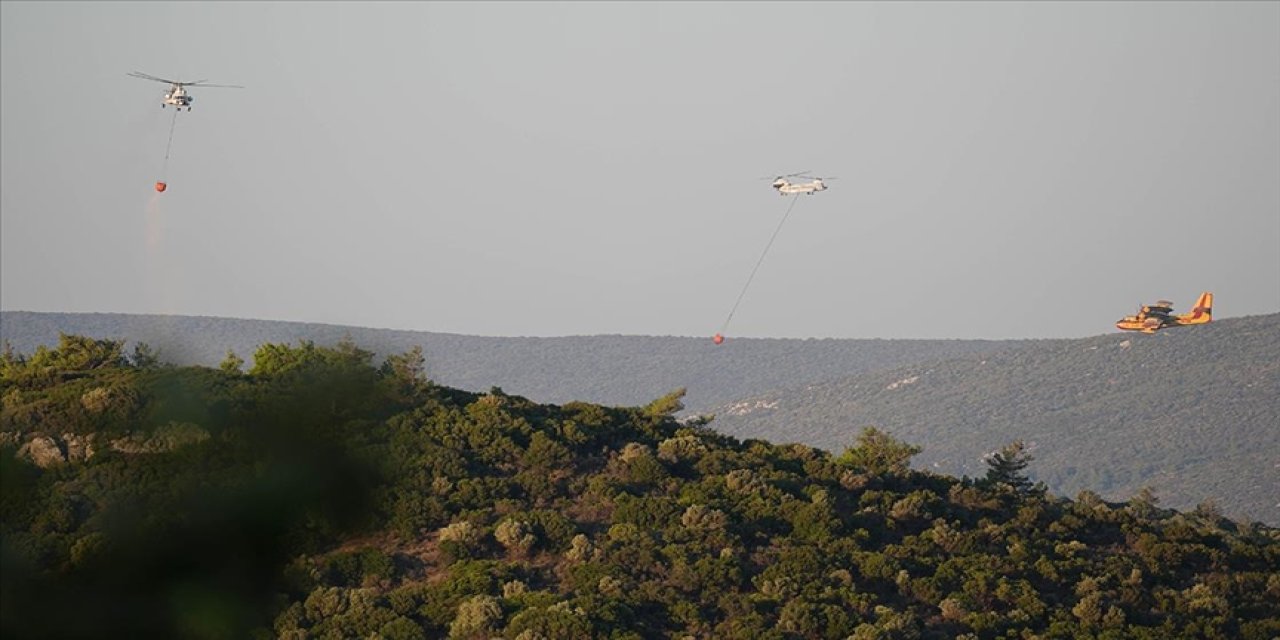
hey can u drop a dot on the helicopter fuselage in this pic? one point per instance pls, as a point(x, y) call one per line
point(787, 188)
point(178, 97)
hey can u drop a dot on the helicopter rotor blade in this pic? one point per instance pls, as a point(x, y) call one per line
point(787, 175)
point(145, 76)
point(180, 83)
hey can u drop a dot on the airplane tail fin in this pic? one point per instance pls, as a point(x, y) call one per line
point(1201, 313)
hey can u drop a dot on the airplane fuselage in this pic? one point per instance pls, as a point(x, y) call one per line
point(1146, 324)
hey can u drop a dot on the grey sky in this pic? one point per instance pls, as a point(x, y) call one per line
point(1004, 169)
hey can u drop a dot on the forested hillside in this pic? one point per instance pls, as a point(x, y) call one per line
point(1192, 413)
point(322, 494)
point(616, 370)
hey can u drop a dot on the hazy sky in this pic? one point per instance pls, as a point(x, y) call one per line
point(1005, 170)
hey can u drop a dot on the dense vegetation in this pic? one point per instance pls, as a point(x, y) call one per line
point(614, 370)
point(1190, 413)
point(319, 495)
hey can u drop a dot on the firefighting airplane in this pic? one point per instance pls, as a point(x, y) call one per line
point(1154, 317)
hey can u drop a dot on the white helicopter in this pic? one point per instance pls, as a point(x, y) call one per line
point(786, 187)
point(177, 94)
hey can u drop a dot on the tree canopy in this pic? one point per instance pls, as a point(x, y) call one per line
point(319, 495)
point(1006, 466)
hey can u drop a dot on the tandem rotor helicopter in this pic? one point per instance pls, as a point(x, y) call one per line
point(786, 187)
point(177, 95)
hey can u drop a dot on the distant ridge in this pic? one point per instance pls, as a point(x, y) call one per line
point(1193, 413)
point(606, 369)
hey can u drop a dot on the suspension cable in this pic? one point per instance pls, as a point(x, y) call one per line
point(764, 253)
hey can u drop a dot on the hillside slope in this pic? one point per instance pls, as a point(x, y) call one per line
point(1193, 413)
point(614, 370)
point(320, 495)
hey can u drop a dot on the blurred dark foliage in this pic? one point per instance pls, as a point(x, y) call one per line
point(195, 544)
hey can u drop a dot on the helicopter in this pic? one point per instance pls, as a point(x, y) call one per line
point(787, 188)
point(177, 94)
point(1153, 317)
